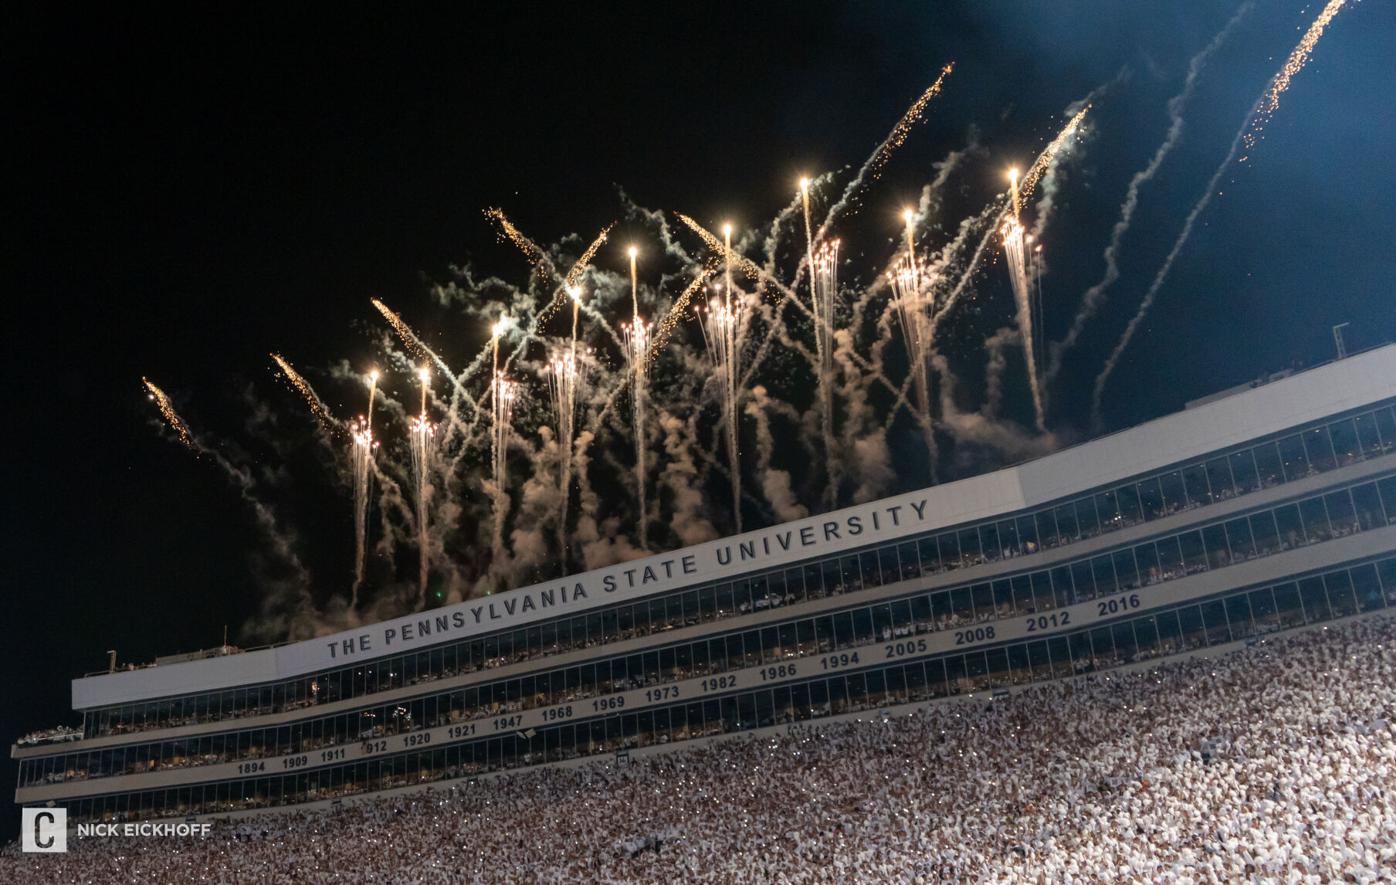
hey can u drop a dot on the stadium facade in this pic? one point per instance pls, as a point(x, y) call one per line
point(1271, 509)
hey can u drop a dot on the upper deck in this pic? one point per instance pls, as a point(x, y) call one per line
point(1336, 387)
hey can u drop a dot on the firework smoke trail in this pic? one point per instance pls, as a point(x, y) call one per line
point(994, 366)
point(502, 395)
point(1247, 135)
point(823, 287)
point(421, 439)
point(566, 383)
point(502, 398)
point(637, 350)
point(312, 399)
point(162, 402)
point(913, 294)
point(722, 324)
point(361, 448)
point(289, 612)
point(1016, 243)
point(1094, 297)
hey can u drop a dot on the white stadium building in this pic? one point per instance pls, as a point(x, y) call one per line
point(1267, 509)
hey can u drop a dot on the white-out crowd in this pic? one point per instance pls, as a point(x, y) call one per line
point(1277, 762)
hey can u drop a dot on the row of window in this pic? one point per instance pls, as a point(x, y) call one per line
point(1247, 536)
point(1236, 616)
point(1225, 476)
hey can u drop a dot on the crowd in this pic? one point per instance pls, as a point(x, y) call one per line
point(1276, 763)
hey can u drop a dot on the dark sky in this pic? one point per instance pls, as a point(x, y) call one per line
point(187, 194)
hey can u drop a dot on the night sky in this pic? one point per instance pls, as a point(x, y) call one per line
point(188, 194)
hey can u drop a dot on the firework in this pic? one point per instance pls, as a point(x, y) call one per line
point(750, 342)
point(913, 295)
point(312, 399)
point(722, 324)
point(1094, 297)
point(405, 333)
point(637, 334)
point(421, 443)
point(361, 448)
point(567, 381)
point(1253, 123)
point(162, 402)
point(502, 395)
point(823, 265)
point(535, 255)
point(1270, 100)
point(872, 167)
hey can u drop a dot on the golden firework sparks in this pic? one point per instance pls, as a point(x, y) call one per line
point(1270, 101)
point(897, 137)
point(312, 399)
point(404, 331)
point(162, 401)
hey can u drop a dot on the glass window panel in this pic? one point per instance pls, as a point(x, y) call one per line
point(1315, 517)
point(1366, 585)
point(1125, 648)
point(1027, 535)
point(1170, 632)
point(1150, 571)
point(1238, 615)
point(1125, 572)
point(1368, 437)
point(1220, 479)
point(1043, 598)
point(1195, 483)
point(930, 555)
point(1008, 538)
point(1151, 498)
point(1319, 448)
point(1218, 552)
point(1341, 516)
point(1346, 448)
point(1146, 638)
point(949, 550)
point(1296, 463)
point(1086, 520)
point(1103, 571)
point(1386, 426)
point(1268, 464)
point(1264, 613)
point(1065, 515)
point(1047, 528)
point(989, 542)
point(1290, 527)
point(1289, 605)
point(1243, 470)
point(1174, 498)
point(1128, 498)
point(1191, 629)
point(1083, 581)
point(970, 553)
point(1315, 599)
point(1366, 502)
point(1107, 508)
point(1340, 594)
